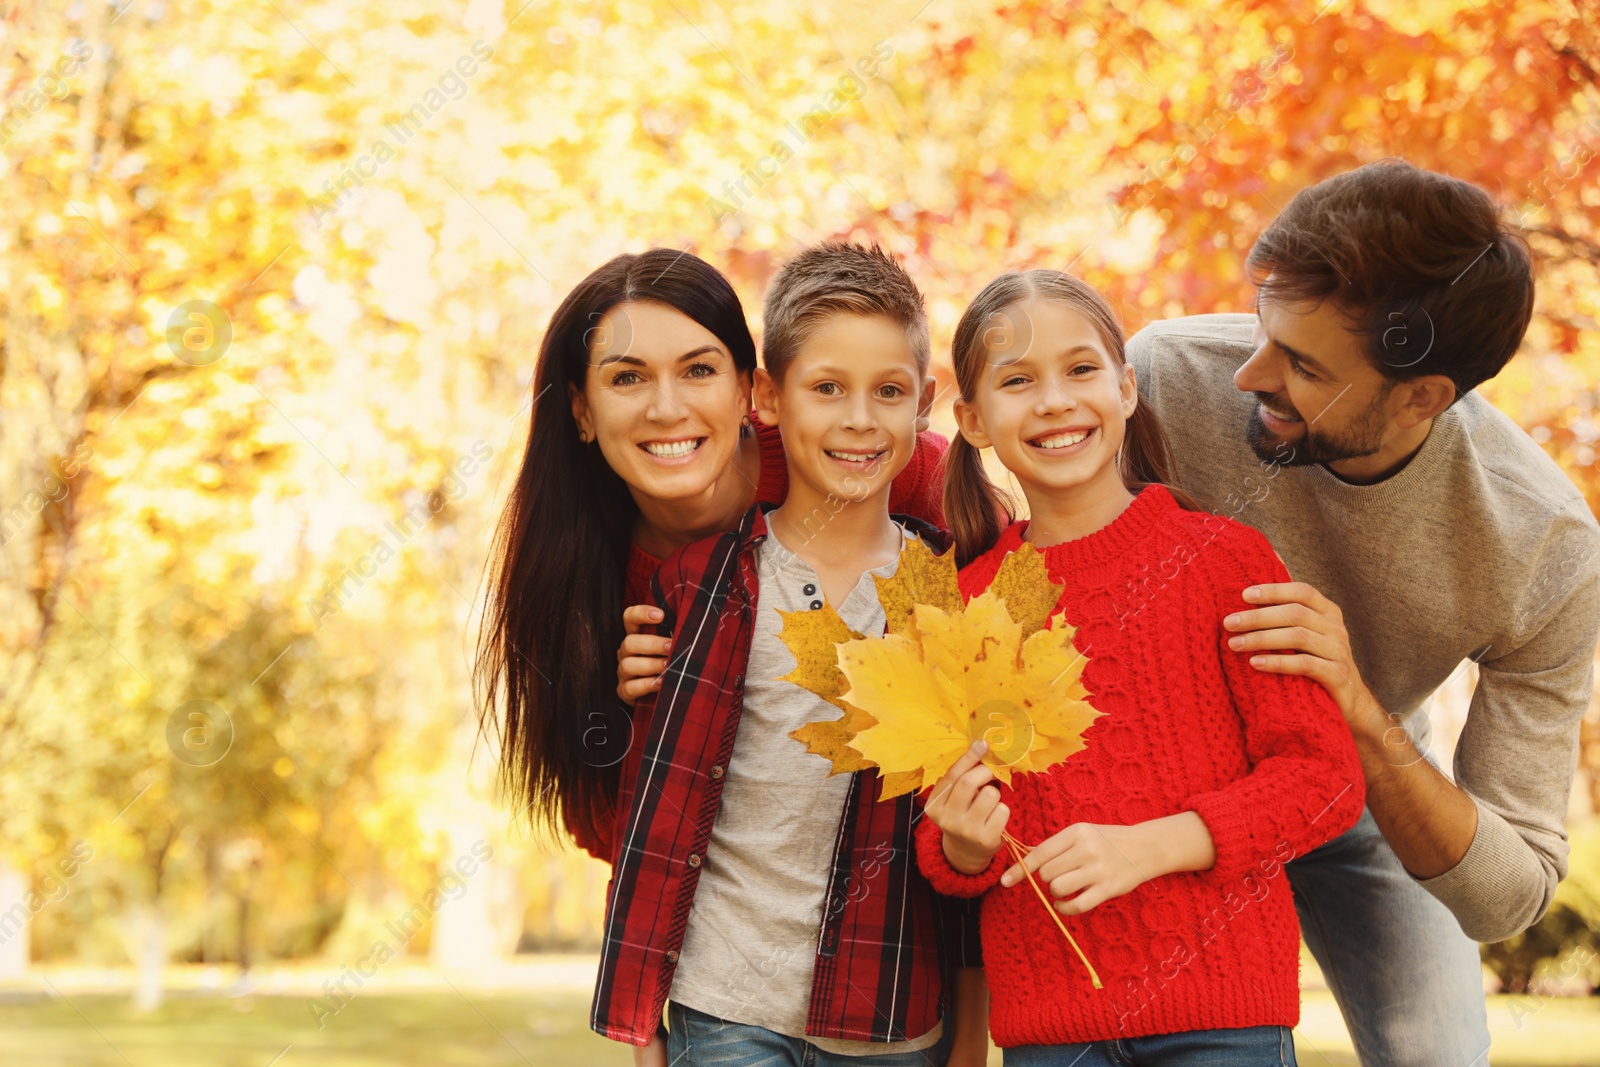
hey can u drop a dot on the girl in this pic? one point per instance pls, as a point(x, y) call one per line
point(1163, 842)
point(641, 442)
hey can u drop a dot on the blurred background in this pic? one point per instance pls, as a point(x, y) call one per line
point(273, 274)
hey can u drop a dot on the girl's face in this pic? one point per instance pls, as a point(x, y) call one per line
point(663, 398)
point(1051, 400)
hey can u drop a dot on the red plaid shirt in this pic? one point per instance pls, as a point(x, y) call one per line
point(887, 944)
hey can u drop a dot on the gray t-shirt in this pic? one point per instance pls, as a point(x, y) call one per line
point(1478, 548)
point(750, 946)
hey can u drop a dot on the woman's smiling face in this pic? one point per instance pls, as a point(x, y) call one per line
point(663, 400)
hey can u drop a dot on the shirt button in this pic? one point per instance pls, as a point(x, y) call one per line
point(815, 605)
point(810, 589)
point(694, 859)
point(716, 772)
point(672, 955)
point(738, 681)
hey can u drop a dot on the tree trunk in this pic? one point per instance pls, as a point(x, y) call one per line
point(481, 917)
point(15, 921)
point(150, 956)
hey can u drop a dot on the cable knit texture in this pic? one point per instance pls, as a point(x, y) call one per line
point(1264, 759)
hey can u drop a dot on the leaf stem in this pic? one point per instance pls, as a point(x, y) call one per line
point(1016, 848)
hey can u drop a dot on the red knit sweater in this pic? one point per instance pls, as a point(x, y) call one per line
point(1264, 759)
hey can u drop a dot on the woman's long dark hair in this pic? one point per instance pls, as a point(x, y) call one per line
point(553, 621)
point(976, 509)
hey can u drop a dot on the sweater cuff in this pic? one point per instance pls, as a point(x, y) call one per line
point(1499, 888)
point(946, 879)
point(1230, 834)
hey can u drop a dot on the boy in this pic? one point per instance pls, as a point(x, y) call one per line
point(778, 909)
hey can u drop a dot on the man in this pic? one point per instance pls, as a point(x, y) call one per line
point(1424, 528)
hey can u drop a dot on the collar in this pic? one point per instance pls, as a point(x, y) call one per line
point(753, 529)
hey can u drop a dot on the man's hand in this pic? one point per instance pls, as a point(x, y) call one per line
point(1427, 819)
point(970, 815)
point(642, 658)
point(1297, 630)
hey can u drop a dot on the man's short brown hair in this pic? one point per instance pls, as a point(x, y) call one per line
point(1420, 263)
point(835, 278)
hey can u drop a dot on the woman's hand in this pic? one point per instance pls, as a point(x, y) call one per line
point(970, 814)
point(652, 1055)
point(1087, 864)
point(969, 1016)
point(642, 657)
point(969, 1055)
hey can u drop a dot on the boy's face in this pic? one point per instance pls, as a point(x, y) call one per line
point(847, 406)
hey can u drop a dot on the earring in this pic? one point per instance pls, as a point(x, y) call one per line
point(583, 437)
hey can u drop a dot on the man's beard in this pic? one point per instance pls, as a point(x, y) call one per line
point(1361, 437)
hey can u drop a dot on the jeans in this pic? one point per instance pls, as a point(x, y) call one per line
point(695, 1039)
point(1252, 1046)
point(1406, 978)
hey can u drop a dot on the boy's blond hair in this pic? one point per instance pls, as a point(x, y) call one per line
point(836, 278)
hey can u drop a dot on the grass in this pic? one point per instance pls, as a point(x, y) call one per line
point(546, 1030)
point(374, 1030)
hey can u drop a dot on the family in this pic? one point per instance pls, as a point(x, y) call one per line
point(1276, 534)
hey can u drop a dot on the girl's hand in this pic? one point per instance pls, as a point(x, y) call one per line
point(970, 815)
point(652, 1055)
point(642, 657)
point(1091, 863)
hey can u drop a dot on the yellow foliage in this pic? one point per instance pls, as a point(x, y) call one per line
point(205, 521)
point(945, 675)
point(920, 578)
point(812, 636)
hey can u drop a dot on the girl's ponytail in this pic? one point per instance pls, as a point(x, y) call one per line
point(1147, 456)
point(974, 506)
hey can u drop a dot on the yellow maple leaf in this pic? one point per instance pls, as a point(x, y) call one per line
point(971, 676)
point(946, 675)
point(920, 578)
point(813, 636)
point(1024, 584)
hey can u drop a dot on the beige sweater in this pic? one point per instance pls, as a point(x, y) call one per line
point(1478, 548)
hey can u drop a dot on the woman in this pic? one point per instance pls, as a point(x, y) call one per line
point(642, 441)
